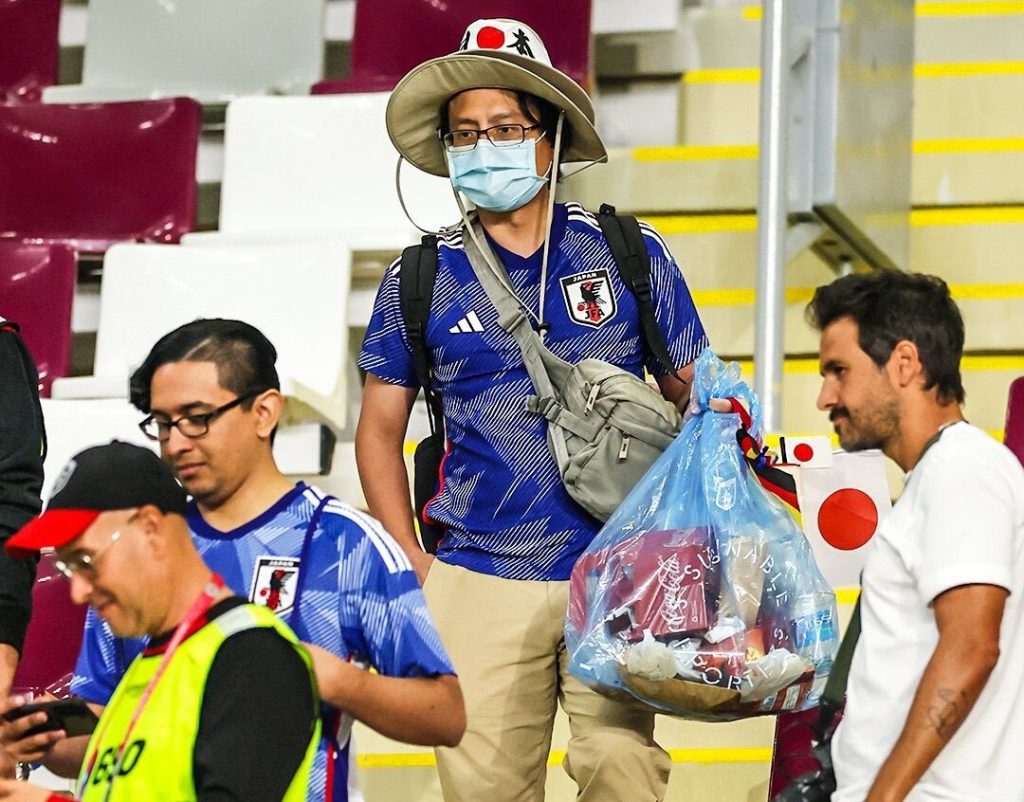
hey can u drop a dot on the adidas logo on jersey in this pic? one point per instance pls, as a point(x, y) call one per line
point(469, 323)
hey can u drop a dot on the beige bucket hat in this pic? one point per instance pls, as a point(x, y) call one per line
point(494, 54)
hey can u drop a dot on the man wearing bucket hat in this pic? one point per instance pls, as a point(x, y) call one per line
point(497, 118)
point(222, 703)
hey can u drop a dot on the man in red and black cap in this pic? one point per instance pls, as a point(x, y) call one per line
point(189, 719)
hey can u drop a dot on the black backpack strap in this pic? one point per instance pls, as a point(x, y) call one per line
point(626, 241)
point(834, 695)
point(416, 277)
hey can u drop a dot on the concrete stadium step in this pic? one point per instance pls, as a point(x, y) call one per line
point(952, 101)
point(700, 178)
point(967, 123)
point(976, 250)
point(969, 57)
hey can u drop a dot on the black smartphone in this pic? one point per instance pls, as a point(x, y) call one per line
point(71, 715)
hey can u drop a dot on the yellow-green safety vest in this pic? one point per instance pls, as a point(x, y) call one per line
point(157, 763)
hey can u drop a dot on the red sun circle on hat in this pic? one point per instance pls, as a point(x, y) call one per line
point(490, 38)
point(847, 519)
point(803, 452)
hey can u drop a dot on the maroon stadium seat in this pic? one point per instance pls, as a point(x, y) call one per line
point(390, 37)
point(1013, 434)
point(93, 174)
point(37, 286)
point(791, 755)
point(54, 632)
point(29, 48)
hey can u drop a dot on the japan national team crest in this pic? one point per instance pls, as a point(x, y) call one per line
point(275, 583)
point(589, 297)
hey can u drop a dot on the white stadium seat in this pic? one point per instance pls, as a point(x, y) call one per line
point(212, 50)
point(321, 166)
point(72, 426)
point(294, 293)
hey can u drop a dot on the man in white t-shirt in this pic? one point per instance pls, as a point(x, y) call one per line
point(935, 689)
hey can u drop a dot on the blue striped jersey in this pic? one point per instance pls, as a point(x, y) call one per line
point(335, 576)
point(500, 497)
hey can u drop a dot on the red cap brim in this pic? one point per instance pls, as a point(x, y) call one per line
point(53, 528)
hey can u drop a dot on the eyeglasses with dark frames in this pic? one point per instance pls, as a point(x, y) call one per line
point(192, 426)
point(501, 136)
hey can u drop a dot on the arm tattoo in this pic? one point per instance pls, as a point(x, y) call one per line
point(947, 716)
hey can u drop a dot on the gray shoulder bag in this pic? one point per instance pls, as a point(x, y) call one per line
point(606, 427)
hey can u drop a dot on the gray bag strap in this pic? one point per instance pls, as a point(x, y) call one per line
point(513, 318)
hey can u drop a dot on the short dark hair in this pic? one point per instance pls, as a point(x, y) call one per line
point(889, 306)
point(243, 355)
point(543, 113)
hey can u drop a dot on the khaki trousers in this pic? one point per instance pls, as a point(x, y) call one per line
point(505, 639)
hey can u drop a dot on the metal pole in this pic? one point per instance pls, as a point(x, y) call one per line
point(772, 206)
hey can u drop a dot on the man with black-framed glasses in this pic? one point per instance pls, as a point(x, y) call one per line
point(506, 135)
point(211, 394)
point(189, 718)
point(194, 425)
point(500, 120)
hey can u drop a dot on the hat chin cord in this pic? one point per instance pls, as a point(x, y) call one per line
point(552, 185)
point(401, 199)
point(541, 325)
point(502, 277)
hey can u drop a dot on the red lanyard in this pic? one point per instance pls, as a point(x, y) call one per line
point(198, 609)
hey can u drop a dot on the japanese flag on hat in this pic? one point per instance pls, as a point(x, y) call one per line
point(504, 34)
point(493, 54)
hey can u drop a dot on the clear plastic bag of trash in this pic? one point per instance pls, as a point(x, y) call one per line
point(700, 596)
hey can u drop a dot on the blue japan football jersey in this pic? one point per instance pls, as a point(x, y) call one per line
point(501, 497)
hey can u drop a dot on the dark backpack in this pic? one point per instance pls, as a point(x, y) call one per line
point(417, 274)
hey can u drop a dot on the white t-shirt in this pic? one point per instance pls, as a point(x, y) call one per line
point(959, 521)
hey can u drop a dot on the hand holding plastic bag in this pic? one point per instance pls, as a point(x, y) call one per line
point(700, 596)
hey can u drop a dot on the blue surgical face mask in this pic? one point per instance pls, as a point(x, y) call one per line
point(499, 179)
